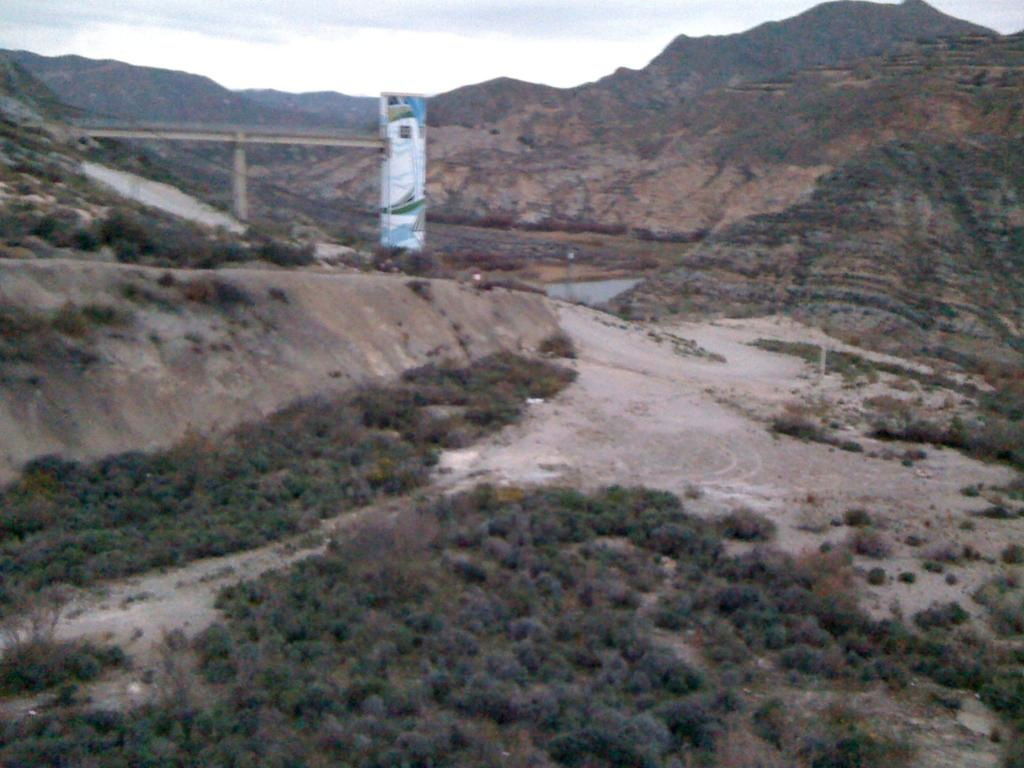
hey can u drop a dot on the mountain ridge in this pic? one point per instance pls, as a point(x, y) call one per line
point(829, 33)
point(112, 88)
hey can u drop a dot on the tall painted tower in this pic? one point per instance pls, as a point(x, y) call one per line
point(403, 210)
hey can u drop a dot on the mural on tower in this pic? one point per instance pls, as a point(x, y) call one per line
point(403, 122)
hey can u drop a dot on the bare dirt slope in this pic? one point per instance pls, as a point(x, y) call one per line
point(161, 196)
point(101, 358)
point(647, 411)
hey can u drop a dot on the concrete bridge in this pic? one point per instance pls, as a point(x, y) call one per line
point(237, 135)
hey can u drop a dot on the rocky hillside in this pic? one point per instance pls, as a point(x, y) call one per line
point(705, 161)
point(710, 133)
point(913, 247)
point(712, 130)
point(826, 35)
point(24, 99)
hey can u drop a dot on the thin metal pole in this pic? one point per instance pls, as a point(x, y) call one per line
point(241, 192)
point(569, 290)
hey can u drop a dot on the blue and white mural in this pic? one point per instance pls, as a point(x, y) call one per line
point(403, 122)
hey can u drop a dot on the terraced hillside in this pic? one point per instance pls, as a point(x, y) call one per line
point(913, 247)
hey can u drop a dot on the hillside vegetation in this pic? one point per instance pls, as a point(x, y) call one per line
point(72, 523)
point(542, 628)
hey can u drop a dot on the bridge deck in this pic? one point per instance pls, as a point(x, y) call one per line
point(235, 134)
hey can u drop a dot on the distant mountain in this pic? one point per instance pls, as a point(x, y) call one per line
point(353, 112)
point(115, 89)
point(699, 163)
point(493, 100)
point(826, 35)
point(23, 97)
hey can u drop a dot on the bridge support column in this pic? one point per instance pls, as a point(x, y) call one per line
point(239, 187)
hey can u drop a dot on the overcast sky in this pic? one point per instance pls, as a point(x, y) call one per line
point(428, 46)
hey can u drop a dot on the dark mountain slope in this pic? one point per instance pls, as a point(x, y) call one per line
point(113, 88)
point(354, 112)
point(493, 100)
point(23, 97)
point(911, 247)
point(826, 35)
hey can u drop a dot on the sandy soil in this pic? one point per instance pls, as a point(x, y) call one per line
point(646, 410)
point(163, 197)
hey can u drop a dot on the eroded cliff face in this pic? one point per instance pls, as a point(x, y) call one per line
point(914, 248)
point(648, 156)
point(99, 358)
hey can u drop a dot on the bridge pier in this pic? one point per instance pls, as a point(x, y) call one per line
point(239, 181)
point(237, 136)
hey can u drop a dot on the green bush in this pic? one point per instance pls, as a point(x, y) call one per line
point(876, 576)
point(842, 740)
point(1012, 554)
point(35, 664)
point(385, 650)
point(856, 518)
point(747, 525)
point(944, 616)
point(558, 344)
point(79, 523)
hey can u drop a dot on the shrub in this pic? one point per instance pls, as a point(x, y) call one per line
point(797, 422)
point(869, 543)
point(856, 518)
point(997, 512)
point(1004, 599)
point(944, 616)
point(558, 344)
point(33, 660)
point(421, 288)
point(769, 721)
point(78, 523)
point(692, 721)
point(1012, 554)
point(216, 292)
point(79, 321)
point(841, 740)
point(281, 253)
point(747, 525)
point(876, 576)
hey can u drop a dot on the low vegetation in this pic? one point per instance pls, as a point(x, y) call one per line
point(997, 434)
point(78, 523)
point(1003, 597)
point(797, 421)
point(849, 365)
point(34, 660)
point(558, 344)
point(747, 525)
point(506, 627)
point(153, 239)
point(28, 336)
